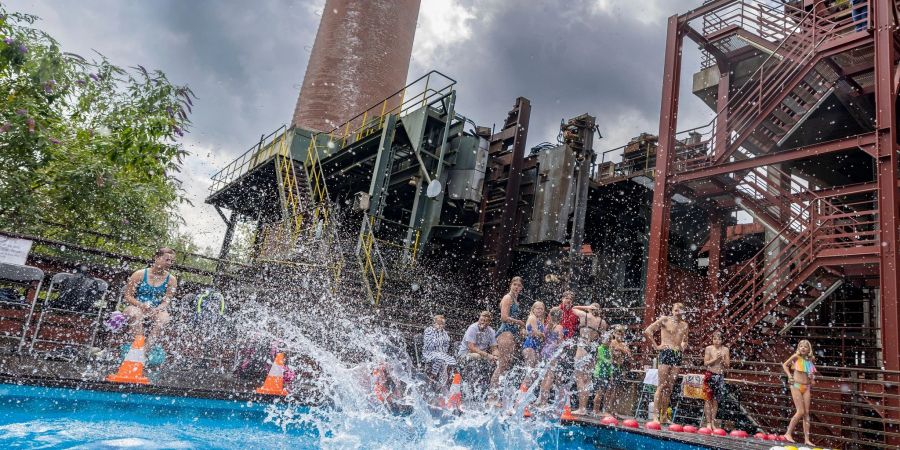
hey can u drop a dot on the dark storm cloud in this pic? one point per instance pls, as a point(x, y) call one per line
point(244, 63)
point(567, 58)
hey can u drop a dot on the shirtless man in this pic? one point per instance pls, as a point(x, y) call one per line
point(590, 327)
point(673, 333)
point(716, 358)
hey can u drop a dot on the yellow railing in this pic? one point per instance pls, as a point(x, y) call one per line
point(318, 188)
point(254, 156)
point(370, 257)
point(421, 92)
point(291, 189)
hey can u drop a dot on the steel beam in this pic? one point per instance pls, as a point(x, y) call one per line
point(724, 89)
point(381, 173)
point(864, 142)
point(658, 258)
point(888, 205)
point(704, 10)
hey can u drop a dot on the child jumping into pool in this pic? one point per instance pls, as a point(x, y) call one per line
point(801, 380)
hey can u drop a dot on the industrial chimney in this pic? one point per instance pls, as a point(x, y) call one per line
point(360, 57)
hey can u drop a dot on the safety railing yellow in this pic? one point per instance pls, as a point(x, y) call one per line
point(290, 186)
point(370, 260)
point(318, 188)
point(423, 91)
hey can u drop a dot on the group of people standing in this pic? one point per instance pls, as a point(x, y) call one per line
point(569, 339)
point(561, 340)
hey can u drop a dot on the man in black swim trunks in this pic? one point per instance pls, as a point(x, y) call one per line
point(673, 333)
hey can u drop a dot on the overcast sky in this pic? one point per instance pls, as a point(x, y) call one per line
point(246, 60)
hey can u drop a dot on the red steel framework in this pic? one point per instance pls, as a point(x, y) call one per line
point(823, 233)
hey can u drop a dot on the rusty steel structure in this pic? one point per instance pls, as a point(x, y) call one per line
point(341, 79)
point(804, 141)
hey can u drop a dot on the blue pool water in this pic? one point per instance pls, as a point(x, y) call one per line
point(43, 417)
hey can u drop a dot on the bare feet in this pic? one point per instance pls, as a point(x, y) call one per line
point(789, 438)
point(580, 412)
point(806, 441)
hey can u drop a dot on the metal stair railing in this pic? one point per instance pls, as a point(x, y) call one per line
point(254, 156)
point(290, 186)
point(417, 94)
point(761, 282)
point(788, 58)
point(371, 263)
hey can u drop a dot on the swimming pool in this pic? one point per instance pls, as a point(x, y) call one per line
point(52, 417)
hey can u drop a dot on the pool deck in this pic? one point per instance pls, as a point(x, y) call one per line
point(717, 442)
point(199, 382)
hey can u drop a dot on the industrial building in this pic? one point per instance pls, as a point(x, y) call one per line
point(803, 142)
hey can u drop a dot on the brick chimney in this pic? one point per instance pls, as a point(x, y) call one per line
point(360, 57)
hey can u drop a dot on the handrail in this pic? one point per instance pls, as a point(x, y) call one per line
point(369, 256)
point(823, 231)
point(246, 161)
point(792, 45)
point(373, 118)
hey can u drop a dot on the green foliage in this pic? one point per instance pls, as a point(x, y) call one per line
point(87, 145)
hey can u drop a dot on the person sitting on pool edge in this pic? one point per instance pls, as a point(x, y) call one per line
point(435, 346)
point(148, 294)
point(478, 350)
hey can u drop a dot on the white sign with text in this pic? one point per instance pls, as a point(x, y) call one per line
point(14, 250)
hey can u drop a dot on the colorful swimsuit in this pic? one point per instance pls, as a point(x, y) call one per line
point(806, 366)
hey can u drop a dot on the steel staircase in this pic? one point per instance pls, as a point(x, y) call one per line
point(789, 84)
point(791, 273)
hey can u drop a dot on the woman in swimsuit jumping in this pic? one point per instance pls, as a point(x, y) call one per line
point(511, 327)
point(802, 379)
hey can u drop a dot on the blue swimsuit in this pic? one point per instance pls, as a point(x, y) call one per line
point(531, 341)
point(513, 314)
point(151, 295)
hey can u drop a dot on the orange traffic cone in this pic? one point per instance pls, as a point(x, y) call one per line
point(567, 414)
point(454, 401)
point(523, 389)
point(274, 384)
point(132, 368)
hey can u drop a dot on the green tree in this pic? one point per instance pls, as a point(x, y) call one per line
point(87, 145)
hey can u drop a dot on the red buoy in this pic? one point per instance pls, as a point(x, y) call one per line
point(738, 433)
point(720, 432)
point(653, 426)
point(760, 436)
point(690, 429)
point(704, 430)
point(609, 420)
point(771, 437)
point(630, 423)
point(675, 428)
